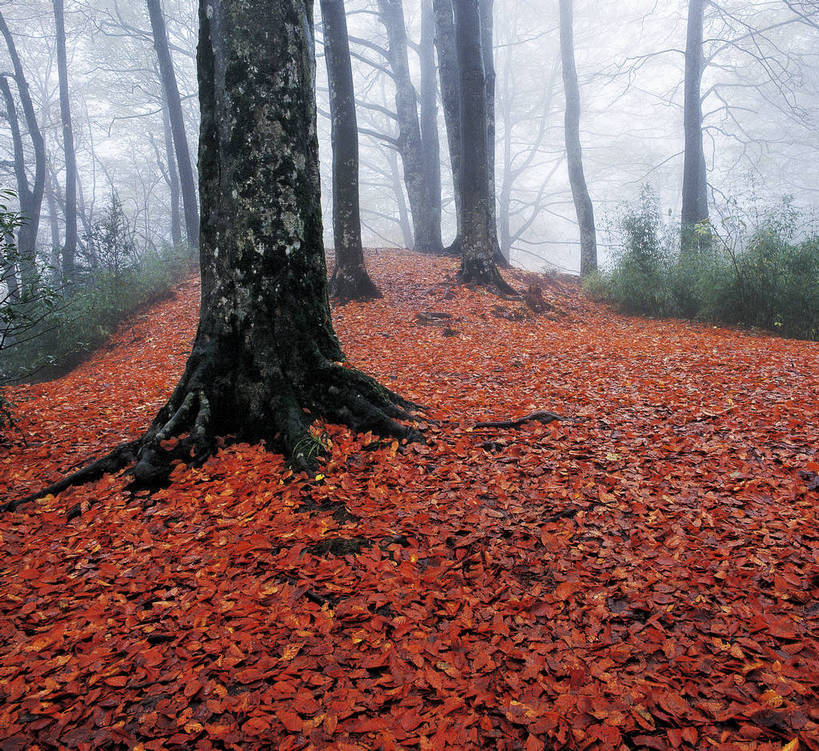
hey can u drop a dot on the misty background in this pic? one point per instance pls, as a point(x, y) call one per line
point(760, 104)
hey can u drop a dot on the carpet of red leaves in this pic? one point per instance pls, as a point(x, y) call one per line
point(643, 575)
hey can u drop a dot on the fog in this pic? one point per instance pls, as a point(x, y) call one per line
point(760, 105)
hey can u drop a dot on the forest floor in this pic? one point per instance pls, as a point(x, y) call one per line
point(643, 574)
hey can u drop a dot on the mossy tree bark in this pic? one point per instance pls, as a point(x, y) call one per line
point(265, 361)
point(479, 244)
point(350, 280)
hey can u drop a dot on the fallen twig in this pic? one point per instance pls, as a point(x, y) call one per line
point(540, 416)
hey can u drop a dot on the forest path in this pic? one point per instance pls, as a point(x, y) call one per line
point(643, 575)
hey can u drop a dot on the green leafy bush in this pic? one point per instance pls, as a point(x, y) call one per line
point(766, 277)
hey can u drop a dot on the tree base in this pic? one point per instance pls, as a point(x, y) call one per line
point(484, 273)
point(187, 427)
point(347, 285)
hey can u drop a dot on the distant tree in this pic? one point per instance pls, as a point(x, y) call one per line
point(177, 121)
point(479, 244)
point(426, 230)
point(29, 195)
point(580, 192)
point(350, 280)
point(70, 208)
point(451, 99)
point(430, 142)
point(695, 181)
point(486, 9)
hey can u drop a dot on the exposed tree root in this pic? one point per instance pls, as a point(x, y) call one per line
point(120, 457)
point(484, 273)
point(540, 416)
point(186, 428)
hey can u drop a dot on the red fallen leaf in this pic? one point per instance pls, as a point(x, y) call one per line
point(782, 628)
point(290, 720)
point(564, 590)
point(650, 741)
point(533, 743)
point(330, 723)
point(674, 704)
point(191, 688)
point(257, 725)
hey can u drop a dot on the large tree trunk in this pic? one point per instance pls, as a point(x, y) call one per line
point(426, 233)
point(173, 178)
point(451, 101)
point(430, 143)
point(174, 103)
point(70, 245)
point(350, 280)
point(265, 361)
point(29, 196)
point(479, 246)
point(695, 185)
point(574, 155)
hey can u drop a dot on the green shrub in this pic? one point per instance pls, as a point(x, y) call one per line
point(80, 317)
point(765, 278)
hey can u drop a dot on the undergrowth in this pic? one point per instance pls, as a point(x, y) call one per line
point(69, 321)
point(762, 273)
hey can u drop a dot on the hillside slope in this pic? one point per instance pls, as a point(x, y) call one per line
point(642, 574)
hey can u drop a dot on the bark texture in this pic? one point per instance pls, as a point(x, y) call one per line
point(174, 103)
point(574, 154)
point(265, 361)
point(427, 235)
point(695, 181)
point(30, 195)
point(70, 245)
point(479, 246)
point(350, 280)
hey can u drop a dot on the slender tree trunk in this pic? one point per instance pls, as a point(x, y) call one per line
point(398, 189)
point(265, 361)
point(430, 143)
point(451, 100)
point(427, 235)
point(695, 186)
point(479, 246)
point(350, 280)
point(70, 246)
point(30, 196)
point(8, 276)
point(488, 52)
point(173, 178)
point(174, 103)
point(54, 226)
point(574, 155)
